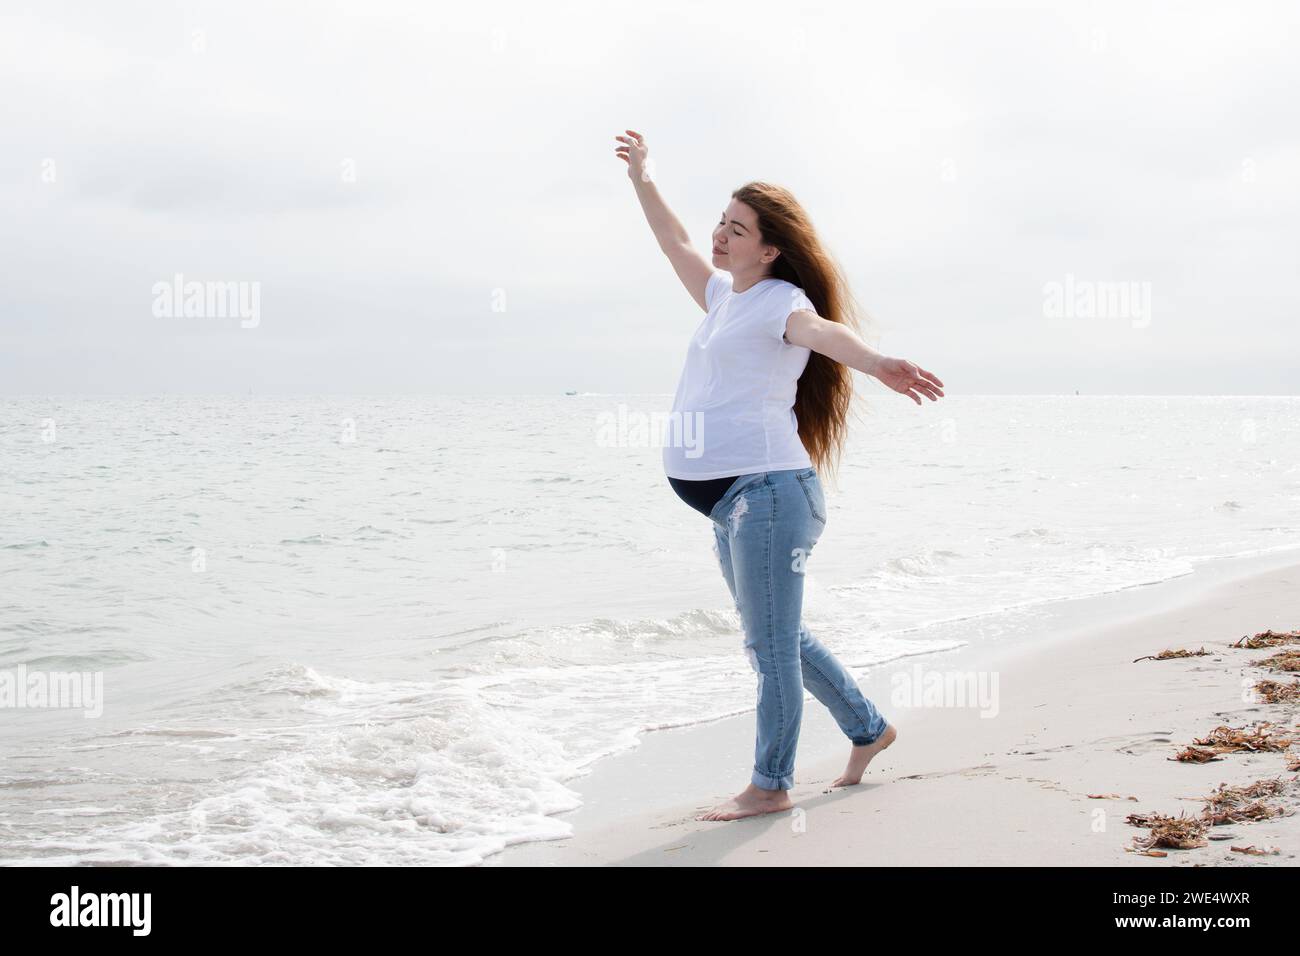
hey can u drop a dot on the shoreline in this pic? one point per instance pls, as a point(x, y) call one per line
point(1074, 716)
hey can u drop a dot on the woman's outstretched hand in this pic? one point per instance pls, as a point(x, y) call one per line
point(908, 378)
point(634, 152)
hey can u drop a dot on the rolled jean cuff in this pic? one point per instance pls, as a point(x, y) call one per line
point(766, 782)
point(864, 741)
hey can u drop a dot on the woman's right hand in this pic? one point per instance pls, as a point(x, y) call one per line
point(908, 378)
point(634, 152)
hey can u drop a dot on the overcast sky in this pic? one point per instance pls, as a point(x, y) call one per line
point(428, 198)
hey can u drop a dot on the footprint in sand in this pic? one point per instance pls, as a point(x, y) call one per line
point(1140, 743)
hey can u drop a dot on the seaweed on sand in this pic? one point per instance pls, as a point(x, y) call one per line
point(1224, 805)
point(1282, 661)
point(1243, 804)
point(1261, 738)
point(1177, 833)
point(1269, 638)
point(1275, 692)
point(1195, 755)
point(1168, 655)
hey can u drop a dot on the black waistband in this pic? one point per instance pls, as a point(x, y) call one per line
point(703, 496)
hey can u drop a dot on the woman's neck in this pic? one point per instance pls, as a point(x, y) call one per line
point(752, 283)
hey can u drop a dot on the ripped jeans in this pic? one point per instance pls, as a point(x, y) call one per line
point(765, 528)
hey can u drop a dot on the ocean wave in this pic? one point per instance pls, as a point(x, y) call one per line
point(693, 623)
point(402, 773)
point(923, 565)
point(292, 679)
point(86, 662)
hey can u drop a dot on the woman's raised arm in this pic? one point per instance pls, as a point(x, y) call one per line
point(690, 266)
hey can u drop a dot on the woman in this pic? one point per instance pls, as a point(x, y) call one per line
point(766, 388)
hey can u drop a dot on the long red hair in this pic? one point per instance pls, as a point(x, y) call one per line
point(825, 393)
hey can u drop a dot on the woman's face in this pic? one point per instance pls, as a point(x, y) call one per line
point(737, 246)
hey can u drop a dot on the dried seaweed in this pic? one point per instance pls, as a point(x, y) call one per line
point(1275, 692)
point(1283, 661)
point(1177, 833)
point(1269, 638)
point(1255, 851)
point(1195, 755)
point(1143, 819)
point(1243, 804)
point(1171, 655)
point(1234, 739)
point(1250, 813)
point(1225, 805)
point(1226, 796)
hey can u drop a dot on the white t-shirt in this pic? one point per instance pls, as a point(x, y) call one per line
point(733, 413)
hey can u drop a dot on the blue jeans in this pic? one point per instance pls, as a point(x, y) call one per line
point(765, 528)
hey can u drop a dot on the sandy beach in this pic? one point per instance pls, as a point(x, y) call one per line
point(1071, 737)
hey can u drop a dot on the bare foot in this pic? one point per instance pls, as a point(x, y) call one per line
point(751, 802)
point(859, 757)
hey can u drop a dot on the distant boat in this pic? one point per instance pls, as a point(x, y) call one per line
point(571, 392)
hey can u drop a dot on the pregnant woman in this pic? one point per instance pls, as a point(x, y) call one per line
point(761, 406)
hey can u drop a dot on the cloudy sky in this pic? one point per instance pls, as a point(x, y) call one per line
point(428, 199)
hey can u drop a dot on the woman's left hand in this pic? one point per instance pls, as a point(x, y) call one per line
point(908, 378)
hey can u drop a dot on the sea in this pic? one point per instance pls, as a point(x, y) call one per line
point(395, 630)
